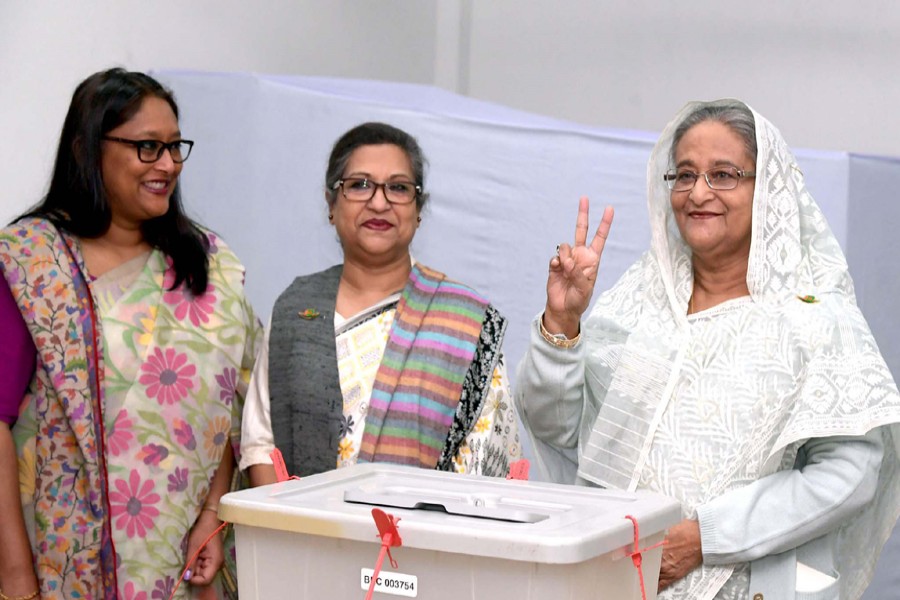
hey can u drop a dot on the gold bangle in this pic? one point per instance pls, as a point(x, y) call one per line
point(33, 594)
point(559, 340)
point(211, 507)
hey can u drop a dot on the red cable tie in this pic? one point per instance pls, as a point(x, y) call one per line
point(281, 472)
point(637, 555)
point(519, 470)
point(390, 536)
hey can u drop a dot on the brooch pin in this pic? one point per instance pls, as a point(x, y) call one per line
point(809, 299)
point(309, 314)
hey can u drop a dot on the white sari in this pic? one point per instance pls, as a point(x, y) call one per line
point(699, 406)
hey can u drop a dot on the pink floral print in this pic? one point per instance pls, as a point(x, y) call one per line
point(132, 594)
point(131, 505)
point(184, 434)
point(121, 435)
point(197, 308)
point(167, 376)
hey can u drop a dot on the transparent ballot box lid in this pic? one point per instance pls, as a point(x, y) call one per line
point(447, 512)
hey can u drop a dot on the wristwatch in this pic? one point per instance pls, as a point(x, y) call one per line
point(558, 340)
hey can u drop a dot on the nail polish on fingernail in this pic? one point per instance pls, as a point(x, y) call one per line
point(187, 575)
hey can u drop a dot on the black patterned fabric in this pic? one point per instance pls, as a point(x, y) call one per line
point(474, 392)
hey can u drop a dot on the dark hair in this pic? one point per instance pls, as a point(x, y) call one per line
point(76, 200)
point(371, 134)
point(732, 113)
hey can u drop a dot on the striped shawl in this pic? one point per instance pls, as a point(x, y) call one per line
point(430, 348)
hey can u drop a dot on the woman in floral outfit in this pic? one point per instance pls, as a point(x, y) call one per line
point(131, 345)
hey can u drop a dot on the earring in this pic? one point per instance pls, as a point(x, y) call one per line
point(330, 217)
point(418, 219)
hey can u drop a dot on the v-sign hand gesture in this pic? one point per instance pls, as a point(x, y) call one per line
point(573, 273)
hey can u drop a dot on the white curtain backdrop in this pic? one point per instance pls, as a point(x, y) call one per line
point(504, 188)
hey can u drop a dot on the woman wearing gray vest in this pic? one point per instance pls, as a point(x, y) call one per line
point(379, 358)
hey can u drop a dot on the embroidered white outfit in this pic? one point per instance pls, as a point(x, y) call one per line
point(706, 407)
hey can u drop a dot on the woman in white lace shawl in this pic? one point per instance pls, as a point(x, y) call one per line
point(729, 368)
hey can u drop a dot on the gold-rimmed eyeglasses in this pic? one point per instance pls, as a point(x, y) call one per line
point(719, 178)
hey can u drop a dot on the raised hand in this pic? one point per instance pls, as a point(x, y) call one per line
point(573, 273)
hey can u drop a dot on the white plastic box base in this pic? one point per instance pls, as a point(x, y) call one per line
point(301, 539)
point(279, 564)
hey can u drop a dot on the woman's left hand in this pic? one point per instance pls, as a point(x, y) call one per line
point(681, 553)
point(212, 557)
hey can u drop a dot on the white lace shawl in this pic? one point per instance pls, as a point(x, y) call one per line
point(814, 368)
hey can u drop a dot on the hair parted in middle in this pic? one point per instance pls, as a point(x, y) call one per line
point(734, 114)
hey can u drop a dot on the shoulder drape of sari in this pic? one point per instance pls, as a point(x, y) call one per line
point(174, 371)
point(419, 387)
point(59, 434)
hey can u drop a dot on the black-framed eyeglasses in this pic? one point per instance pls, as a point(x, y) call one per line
point(719, 178)
point(360, 189)
point(150, 151)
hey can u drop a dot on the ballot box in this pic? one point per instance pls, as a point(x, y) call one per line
point(461, 537)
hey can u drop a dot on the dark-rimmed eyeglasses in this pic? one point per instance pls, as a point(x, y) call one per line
point(720, 178)
point(150, 151)
point(360, 189)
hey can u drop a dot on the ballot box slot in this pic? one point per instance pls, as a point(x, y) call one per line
point(472, 506)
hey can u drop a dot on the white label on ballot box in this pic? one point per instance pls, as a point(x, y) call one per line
point(397, 584)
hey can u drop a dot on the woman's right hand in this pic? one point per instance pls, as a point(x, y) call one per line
point(573, 273)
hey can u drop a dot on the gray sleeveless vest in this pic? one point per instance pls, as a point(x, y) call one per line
point(306, 405)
